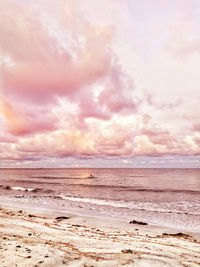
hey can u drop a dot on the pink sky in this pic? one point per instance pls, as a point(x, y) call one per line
point(99, 83)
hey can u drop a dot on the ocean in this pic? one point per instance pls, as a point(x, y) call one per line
point(164, 197)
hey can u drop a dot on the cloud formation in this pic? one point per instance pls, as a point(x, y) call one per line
point(50, 61)
point(72, 85)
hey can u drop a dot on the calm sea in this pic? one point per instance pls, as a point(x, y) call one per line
point(167, 197)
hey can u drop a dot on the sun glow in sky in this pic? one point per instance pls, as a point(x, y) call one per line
point(110, 83)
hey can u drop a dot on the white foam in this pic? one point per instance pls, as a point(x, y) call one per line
point(173, 207)
point(21, 188)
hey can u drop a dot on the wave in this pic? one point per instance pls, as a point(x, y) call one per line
point(49, 196)
point(102, 186)
point(19, 188)
point(136, 189)
point(162, 190)
point(58, 178)
point(145, 206)
point(35, 182)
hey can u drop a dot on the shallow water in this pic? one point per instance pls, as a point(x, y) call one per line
point(167, 197)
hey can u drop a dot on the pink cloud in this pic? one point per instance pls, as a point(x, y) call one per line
point(117, 140)
point(43, 65)
point(152, 100)
point(19, 122)
point(59, 144)
point(5, 138)
point(64, 59)
point(64, 92)
point(90, 109)
point(114, 140)
point(158, 136)
point(118, 93)
point(76, 143)
point(196, 127)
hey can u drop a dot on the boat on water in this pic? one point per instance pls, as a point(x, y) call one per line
point(91, 175)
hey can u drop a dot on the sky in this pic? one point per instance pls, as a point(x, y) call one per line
point(110, 83)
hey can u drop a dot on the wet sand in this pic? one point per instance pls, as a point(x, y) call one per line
point(37, 238)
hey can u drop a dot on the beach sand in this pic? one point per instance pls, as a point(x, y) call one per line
point(37, 238)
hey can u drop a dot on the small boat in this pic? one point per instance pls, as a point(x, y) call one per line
point(91, 175)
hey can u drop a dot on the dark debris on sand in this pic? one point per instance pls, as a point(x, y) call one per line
point(138, 222)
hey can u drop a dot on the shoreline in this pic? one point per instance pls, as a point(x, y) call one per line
point(36, 238)
point(79, 213)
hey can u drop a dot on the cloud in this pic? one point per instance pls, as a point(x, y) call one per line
point(118, 93)
point(58, 144)
point(73, 88)
point(5, 138)
point(61, 56)
point(94, 143)
point(183, 43)
point(115, 140)
point(196, 127)
point(19, 122)
point(49, 62)
point(158, 136)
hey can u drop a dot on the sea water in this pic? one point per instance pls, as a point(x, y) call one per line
point(166, 197)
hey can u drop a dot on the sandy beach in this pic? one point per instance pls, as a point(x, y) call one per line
point(37, 238)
